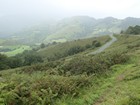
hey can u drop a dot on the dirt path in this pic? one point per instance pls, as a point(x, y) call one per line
point(102, 48)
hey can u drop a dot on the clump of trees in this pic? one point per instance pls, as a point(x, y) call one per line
point(9, 62)
point(19, 60)
point(42, 45)
point(3, 62)
point(74, 50)
point(132, 30)
point(32, 57)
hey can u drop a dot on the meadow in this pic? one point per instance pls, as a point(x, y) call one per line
point(14, 49)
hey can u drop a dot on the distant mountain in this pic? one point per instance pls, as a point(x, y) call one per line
point(74, 28)
point(11, 24)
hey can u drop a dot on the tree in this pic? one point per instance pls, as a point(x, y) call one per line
point(3, 62)
point(30, 59)
point(14, 62)
point(121, 32)
point(88, 46)
point(93, 42)
point(75, 50)
point(42, 45)
point(133, 30)
point(97, 44)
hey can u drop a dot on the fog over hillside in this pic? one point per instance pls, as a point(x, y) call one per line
point(19, 15)
point(11, 24)
point(71, 28)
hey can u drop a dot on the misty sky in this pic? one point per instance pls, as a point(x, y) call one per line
point(68, 8)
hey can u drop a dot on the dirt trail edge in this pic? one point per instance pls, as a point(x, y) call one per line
point(102, 48)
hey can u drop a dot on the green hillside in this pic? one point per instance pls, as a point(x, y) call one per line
point(74, 28)
point(13, 50)
point(60, 50)
point(108, 78)
point(132, 30)
point(11, 47)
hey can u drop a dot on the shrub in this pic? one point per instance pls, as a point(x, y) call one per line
point(134, 101)
point(97, 44)
point(3, 62)
point(40, 67)
point(32, 59)
point(78, 65)
point(131, 100)
point(88, 46)
point(42, 91)
point(14, 62)
point(75, 50)
point(99, 64)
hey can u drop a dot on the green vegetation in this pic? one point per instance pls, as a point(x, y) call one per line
point(62, 50)
point(125, 90)
point(19, 60)
point(29, 57)
point(67, 29)
point(13, 50)
point(111, 77)
point(33, 58)
point(132, 30)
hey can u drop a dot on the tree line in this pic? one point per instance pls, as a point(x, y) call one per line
point(32, 57)
point(132, 30)
point(19, 60)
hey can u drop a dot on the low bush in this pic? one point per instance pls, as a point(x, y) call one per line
point(98, 64)
point(40, 67)
point(131, 100)
point(42, 91)
point(134, 101)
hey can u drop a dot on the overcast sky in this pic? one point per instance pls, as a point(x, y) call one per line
point(68, 8)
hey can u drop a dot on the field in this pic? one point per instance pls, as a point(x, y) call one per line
point(13, 50)
point(109, 78)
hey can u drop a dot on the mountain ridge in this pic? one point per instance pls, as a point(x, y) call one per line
point(72, 28)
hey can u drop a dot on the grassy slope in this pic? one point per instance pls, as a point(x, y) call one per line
point(16, 49)
point(61, 48)
point(119, 87)
point(126, 89)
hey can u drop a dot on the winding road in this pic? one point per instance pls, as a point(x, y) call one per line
point(102, 48)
